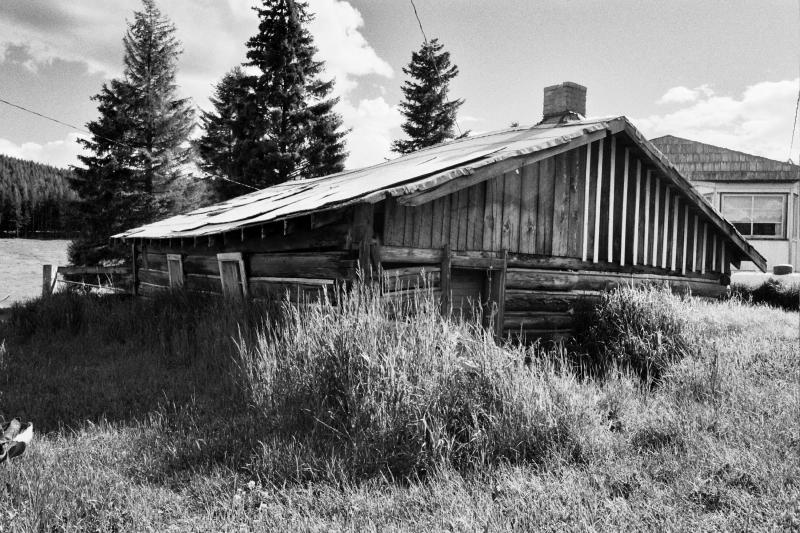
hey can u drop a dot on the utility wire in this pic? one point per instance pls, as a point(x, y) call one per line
point(82, 130)
point(433, 59)
point(797, 104)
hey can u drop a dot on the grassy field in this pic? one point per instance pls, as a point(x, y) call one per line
point(179, 414)
point(21, 266)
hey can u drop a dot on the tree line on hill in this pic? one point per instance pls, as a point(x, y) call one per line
point(35, 199)
point(271, 122)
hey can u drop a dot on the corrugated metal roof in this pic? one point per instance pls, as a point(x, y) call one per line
point(706, 162)
point(411, 175)
point(413, 172)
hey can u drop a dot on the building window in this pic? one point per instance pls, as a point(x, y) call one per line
point(756, 215)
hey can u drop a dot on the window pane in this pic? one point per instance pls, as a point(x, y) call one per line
point(768, 209)
point(743, 227)
point(767, 229)
point(737, 209)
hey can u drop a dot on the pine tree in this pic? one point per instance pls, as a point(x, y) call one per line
point(296, 132)
point(163, 121)
point(139, 143)
point(429, 116)
point(227, 145)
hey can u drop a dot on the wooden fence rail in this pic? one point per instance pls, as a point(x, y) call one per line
point(116, 279)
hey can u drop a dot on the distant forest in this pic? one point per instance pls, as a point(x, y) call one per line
point(35, 199)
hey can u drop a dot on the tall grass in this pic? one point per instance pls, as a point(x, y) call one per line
point(382, 392)
point(194, 414)
point(772, 292)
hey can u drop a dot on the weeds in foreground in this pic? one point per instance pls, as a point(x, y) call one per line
point(352, 416)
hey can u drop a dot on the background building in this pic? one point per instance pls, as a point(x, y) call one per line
point(758, 195)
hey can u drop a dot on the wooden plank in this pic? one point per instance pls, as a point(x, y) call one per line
point(537, 320)
point(477, 201)
point(577, 283)
point(529, 203)
point(624, 219)
point(463, 213)
point(665, 230)
point(445, 282)
point(497, 212)
point(646, 228)
point(726, 269)
point(612, 176)
point(598, 197)
point(436, 223)
point(560, 224)
point(392, 212)
point(605, 198)
point(498, 295)
point(404, 254)
point(424, 227)
point(714, 253)
point(544, 225)
point(453, 240)
point(704, 250)
point(554, 301)
point(488, 214)
point(175, 270)
point(327, 265)
point(201, 264)
point(586, 202)
point(694, 245)
point(408, 225)
point(656, 221)
point(577, 195)
point(511, 210)
point(685, 238)
point(446, 218)
point(636, 212)
point(154, 277)
point(675, 231)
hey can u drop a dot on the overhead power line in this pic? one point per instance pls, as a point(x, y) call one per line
point(82, 130)
point(797, 103)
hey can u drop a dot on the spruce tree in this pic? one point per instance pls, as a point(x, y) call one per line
point(228, 147)
point(139, 143)
point(163, 120)
point(296, 132)
point(429, 116)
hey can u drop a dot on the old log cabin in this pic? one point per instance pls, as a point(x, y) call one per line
point(527, 220)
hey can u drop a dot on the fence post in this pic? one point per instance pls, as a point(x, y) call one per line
point(47, 280)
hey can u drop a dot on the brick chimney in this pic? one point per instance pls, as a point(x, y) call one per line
point(564, 102)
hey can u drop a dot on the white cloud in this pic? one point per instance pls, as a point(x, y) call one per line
point(374, 122)
point(61, 153)
point(213, 34)
point(682, 95)
point(758, 122)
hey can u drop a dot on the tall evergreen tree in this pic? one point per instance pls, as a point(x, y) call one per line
point(229, 146)
point(139, 143)
point(300, 133)
point(163, 121)
point(429, 116)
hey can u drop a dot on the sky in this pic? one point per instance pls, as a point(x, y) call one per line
point(723, 72)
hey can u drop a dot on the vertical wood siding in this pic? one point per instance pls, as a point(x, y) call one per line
point(600, 203)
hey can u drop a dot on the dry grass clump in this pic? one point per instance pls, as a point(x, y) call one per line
point(643, 329)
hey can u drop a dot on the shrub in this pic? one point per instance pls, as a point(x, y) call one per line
point(641, 329)
point(772, 292)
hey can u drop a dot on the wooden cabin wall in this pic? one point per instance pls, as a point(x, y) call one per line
point(575, 224)
point(301, 256)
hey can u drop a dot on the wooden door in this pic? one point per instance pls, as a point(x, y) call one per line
point(232, 275)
